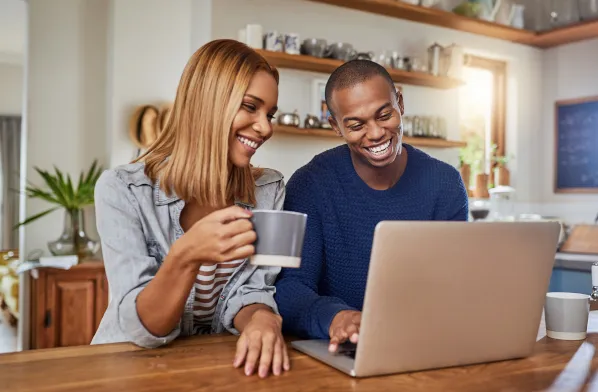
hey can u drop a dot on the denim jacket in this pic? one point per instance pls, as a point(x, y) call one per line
point(138, 223)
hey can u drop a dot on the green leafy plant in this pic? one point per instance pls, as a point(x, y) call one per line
point(500, 160)
point(62, 192)
point(469, 8)
point(473, 153)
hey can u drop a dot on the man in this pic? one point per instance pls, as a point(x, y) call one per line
point(346, 191)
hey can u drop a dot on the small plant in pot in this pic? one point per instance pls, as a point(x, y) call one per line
point(64, 194)
point(472, 159)
point(500, 171)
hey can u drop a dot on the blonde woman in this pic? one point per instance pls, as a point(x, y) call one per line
point(175, 245)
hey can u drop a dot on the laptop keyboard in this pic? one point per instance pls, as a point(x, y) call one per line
point(347, 349)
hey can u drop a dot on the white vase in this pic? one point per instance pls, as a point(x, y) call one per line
point(517, 16)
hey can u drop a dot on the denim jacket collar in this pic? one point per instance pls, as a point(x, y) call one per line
point(161, 198)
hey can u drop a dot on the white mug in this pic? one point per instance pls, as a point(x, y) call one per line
point(273, 41)
point(254, 36)
point(291, 43)
point(566, 315)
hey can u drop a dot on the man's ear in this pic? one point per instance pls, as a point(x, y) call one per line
point(334, 126)
point(400, 102)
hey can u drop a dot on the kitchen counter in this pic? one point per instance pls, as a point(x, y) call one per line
point(573, 261)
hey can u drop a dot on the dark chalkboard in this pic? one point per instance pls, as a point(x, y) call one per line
point(576, 146)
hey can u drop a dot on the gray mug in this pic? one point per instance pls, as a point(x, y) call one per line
point(280, 237)
point(566, 315)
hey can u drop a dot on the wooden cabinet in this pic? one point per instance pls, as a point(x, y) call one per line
point(68, 305)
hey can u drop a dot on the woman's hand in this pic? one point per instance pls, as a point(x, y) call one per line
point(262, 339)
point(221, 236)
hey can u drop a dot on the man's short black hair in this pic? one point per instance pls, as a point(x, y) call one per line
point(352, 73)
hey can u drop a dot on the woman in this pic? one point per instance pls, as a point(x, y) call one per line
point(175, 246)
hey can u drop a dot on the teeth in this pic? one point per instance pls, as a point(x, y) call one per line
point(248, 142)
point(380, 149)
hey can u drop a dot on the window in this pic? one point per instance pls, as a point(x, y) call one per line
point(482, 115)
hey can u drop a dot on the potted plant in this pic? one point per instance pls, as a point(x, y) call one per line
point(472, 160)
point(64, 194)
point(500, 172)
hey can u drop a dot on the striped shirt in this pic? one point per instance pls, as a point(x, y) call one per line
point(209, 283)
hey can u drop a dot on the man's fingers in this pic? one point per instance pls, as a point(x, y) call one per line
point(351, 330)
point(340, 336)
point(333, 346)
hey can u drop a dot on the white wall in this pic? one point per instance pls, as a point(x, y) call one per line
point(11, 93)
point(569, 72)
point(13, 17)
point(374, 32)
point(149, 45)
point(66, 98)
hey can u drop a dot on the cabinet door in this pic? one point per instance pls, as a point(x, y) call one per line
point(71, 305)
point(101, 298)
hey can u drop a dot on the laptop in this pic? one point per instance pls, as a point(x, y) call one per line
point(444, 294)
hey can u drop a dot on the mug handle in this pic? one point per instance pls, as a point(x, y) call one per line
point(328, 51)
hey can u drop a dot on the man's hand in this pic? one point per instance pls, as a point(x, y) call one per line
point(262, 339)
point(345, 326)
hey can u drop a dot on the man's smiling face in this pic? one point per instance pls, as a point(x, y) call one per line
point(368, 116)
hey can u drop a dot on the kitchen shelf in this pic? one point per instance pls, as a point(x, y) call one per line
point(565, 35)
point(316, 64)
point(431, 16)
point(329, 133)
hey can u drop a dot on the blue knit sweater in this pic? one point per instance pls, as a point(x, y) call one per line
point(342, 214)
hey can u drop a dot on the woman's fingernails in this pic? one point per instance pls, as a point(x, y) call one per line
point(248, 370)
point(263, 371)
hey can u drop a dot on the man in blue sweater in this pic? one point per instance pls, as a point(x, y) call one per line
point(346, 191)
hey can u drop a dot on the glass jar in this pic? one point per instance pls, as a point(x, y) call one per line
point(502, 203)
point(479, 209)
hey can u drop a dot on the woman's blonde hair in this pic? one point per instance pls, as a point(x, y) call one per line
point(190, 156)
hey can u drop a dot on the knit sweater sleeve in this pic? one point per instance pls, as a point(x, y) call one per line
point(454, 203)
point(305, 313)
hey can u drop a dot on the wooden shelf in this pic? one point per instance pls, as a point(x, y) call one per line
point(316, 64)
point(415, 13)
point(566, 35)
point(401, 10)
point(329, 133)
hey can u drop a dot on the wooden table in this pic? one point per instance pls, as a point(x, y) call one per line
point(205, 363)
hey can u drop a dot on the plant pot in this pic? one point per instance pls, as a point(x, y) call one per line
point(465, 174)
point(465, 170)
point(481, 186)
point(74, 239)
point(501, 176)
